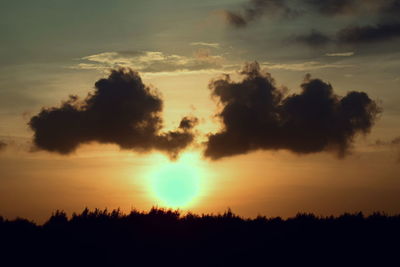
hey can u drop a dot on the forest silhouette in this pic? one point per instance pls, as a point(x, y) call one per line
point(163, 237)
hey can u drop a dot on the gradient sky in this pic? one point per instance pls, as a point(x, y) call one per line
point(51, 49)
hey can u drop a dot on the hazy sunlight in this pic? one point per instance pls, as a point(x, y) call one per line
point(177, 184)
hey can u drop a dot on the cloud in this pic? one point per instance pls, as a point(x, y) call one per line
point(335, 7)
point(383, 19)
point(234, 19)
point(3, 145)
point(382, 8)
point(396, 141)
point(213, 45)
point(255, 9)
point(256, 115)
point(121, 110)
point(153, 62)
point(354, 35)
point(390, 7)
point(188, 122)
point(343, 54)
point(314, 39)
point(304, 66)
point(369, 34)
point(385, 28)
point(205, 55)
point(394, 144)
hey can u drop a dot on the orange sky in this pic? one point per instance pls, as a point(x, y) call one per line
point(272, 183)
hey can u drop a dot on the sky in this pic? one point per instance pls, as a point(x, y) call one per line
point(263, 106)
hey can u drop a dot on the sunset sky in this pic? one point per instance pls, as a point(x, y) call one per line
point(263, 106)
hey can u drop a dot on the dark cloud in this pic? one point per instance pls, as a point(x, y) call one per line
point(396, 141)
point(235, 19)
point(393, 145)
point(3, 145)
point(386, 28)
point(396, 144)
point(257, 115)
point(121, 110)
point(353, 35)
point(255, 9)
point(188, 122)
point(368, 34)
point(334, 7)
point(385, 24)
point(380, 8)
point(389, 8)
point(313, 39)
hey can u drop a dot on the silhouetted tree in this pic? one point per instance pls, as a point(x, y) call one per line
point(165, 237)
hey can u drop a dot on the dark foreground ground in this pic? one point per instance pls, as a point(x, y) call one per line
point(165, 238)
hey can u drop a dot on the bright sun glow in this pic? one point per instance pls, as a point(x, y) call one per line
point(177, 184)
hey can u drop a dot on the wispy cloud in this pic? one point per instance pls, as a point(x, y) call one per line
point(344, 54)
point(213, 45)
point(304, 66)
point(153, 61)
point(393, 144)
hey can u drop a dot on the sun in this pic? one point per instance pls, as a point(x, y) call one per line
point(177, 184)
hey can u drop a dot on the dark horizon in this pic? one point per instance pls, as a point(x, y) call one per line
point(182, 214)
